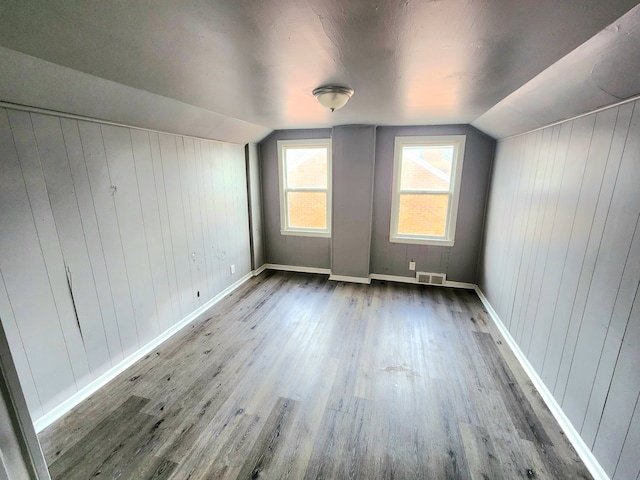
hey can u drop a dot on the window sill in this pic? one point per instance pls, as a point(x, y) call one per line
point(423, 241)
point(306, 233)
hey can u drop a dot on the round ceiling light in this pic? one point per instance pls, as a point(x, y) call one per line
point(333, 96)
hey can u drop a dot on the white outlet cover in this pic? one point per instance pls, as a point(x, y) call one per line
point(412, 265)
point(233, 269)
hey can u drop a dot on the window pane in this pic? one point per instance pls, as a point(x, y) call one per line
point(423, 214)
point(426, 167)
point(307, 209)
point(306, 167)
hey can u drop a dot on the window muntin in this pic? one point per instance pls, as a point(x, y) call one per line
point(304, 168)
point(426, 187)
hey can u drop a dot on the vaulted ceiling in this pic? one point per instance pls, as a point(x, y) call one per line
point(235, 70)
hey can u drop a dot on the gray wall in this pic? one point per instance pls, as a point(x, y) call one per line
point(139, 227)
point(561, 266)
point(254, 190)
point(458, 262)
point(354, 152)
point(287, 249)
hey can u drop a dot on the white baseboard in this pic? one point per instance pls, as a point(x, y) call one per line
point(259, 270)
point(53, 415)
point(294, 268)
point(571, 433)
point(463, 285)
point(400, 279)
point(347, 278)
point(393, 278)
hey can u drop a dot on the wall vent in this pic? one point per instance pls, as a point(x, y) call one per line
point(431, 278)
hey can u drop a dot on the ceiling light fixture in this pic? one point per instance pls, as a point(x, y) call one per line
point(333, 96)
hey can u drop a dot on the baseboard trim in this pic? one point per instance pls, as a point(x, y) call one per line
point(295, 268)
point(347, 278)
point(400, 279)
point(393, 278)
point(53, 415)
point(462, 285)
point(259, 270)
point(583, 451)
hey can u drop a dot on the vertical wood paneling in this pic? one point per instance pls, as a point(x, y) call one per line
point(204, 221)
point(232, 204)
point(232, 200)
point(64, 205)
point(191, 193)
point(222, 213)
point(238, 219)
point(545, 217)
point(557, 362)
point(64, 318)
point(126, 198)
point(621, 322)
point(571, 246)
point(618, 436)
point(558, 268)
point(180, 247)
point(18, 352)
point(510, 258)
point(494, 258)
point(219, 214)
point(533, 232)
point(121, 210)
point(103, 191)
point(550, 267)
point(527, 214)
point(210, 215)
point(91, 232)
point(607, 279)
point(165, 227)
point(27, 283)
point(144, 174)
point(580, 231)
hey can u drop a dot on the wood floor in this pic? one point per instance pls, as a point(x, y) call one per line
point(295, 376)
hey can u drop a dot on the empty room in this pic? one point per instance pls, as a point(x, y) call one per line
point(320, 239)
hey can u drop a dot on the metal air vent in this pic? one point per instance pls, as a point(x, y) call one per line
point(429, 278)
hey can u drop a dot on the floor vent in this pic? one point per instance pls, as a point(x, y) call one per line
point(431, 278)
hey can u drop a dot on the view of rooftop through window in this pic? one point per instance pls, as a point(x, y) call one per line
point(306, 187)
point(425, 182)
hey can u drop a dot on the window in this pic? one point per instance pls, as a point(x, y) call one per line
point(426, 187)
point(304, 167)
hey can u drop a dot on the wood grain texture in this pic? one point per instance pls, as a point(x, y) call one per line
point(294, 376)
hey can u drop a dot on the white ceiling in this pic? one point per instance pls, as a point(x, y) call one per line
point(235, 70)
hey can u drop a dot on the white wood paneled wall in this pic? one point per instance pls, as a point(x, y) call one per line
point(561, 266)
point(108, 237)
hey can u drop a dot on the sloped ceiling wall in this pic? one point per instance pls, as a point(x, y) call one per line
point(27, 80)
point(601, 72)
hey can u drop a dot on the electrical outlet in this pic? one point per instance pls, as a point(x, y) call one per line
point(412, 265)
point(233, 269)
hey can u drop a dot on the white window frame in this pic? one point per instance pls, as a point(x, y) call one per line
point(285, 229)
point(448, 239)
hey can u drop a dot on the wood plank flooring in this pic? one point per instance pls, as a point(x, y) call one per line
point(295, 376)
